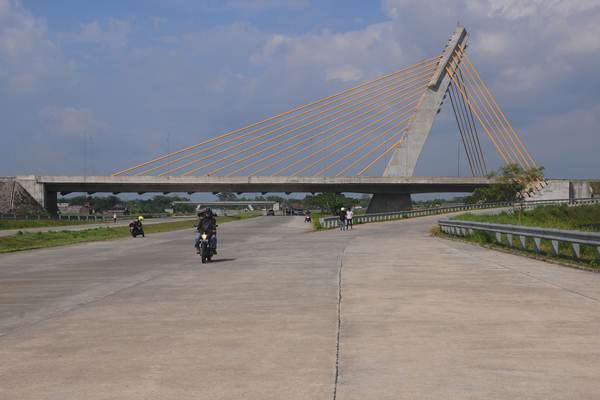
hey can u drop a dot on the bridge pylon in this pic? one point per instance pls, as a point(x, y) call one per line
point(404, 158)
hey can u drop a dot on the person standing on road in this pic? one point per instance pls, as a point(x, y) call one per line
point(114, 218)
point(342, 215)
point(349, 215)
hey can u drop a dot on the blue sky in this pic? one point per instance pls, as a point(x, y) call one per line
point(96, 86)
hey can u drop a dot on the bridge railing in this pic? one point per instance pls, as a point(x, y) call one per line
point(332, 222)
point(575, 239)
point(66, 217)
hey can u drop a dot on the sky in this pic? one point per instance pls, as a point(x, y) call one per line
point(93, 87)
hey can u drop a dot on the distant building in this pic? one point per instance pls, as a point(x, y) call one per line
point(66, 209)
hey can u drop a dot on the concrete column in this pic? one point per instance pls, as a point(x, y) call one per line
point(51, 202)
point(404, 158)
point(389, 202)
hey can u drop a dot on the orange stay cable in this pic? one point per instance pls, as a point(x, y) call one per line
point(292, 138)
point(289, 132)
point(349, 167)
point(456, 85)
point(392, 147)
point(477, 100)
point(323, 139)
point(394, 84)
point(330, 166)
point(469, 88)
point(328, 155)
point(499, 109)
point(320, 133)
point(473, 101)
point(303, 150)
point(316, 102)
point(497, 122)
point(394, 81)
point(470, 129)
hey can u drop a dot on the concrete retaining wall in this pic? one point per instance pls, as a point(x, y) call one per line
point(15, 198)
point(558, 189)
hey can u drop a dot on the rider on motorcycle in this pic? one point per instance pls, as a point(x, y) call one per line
point(207, 224)
point(136, 227)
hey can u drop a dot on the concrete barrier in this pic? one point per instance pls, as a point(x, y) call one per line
point(332, 222)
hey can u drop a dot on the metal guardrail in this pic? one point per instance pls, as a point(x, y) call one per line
point(575, 238)
point(70, 217)
point(333, 222)
point(77, 217)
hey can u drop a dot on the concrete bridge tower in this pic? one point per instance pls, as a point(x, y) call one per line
point(404, 158)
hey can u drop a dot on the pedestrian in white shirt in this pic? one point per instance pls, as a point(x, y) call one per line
point(349, 215)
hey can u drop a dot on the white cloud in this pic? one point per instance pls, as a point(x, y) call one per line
point(493, 43)
point(71, 121)
point(344, 56)
point(345, 73)
point(567, 142)
point(115, 33)
point(28, 58)
point(264, 4)
point(580, 39)
point(524, 77)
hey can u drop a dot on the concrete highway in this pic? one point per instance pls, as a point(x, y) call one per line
point(418, 318)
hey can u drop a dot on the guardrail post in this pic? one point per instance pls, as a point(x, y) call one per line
point(522, 241)
point(537, 245)
point(598, 253)
point(576, 250)
point(509, 239)
point(554, 245)
point(499, 237)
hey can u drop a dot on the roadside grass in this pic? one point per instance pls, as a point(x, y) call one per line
point(584, 218)
point(39, 223)
point(28, 241)
point(315, 216)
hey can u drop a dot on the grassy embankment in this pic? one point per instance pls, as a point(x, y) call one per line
point(28, 241)
point(40, 223)
point(582, 218)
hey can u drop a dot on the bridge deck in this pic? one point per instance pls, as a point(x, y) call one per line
point(261, 184)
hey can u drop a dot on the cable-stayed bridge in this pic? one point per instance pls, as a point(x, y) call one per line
point(365, 139)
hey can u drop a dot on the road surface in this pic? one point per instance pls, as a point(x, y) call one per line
point(418, 318)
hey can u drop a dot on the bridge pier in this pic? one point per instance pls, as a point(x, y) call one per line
point(25, 194)
point(389, 202)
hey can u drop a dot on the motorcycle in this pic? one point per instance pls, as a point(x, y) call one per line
point(206, 250)
point(136, 230)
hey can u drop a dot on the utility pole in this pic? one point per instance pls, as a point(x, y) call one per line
point(168, 146)
point(458, 157)
point(84, 154)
